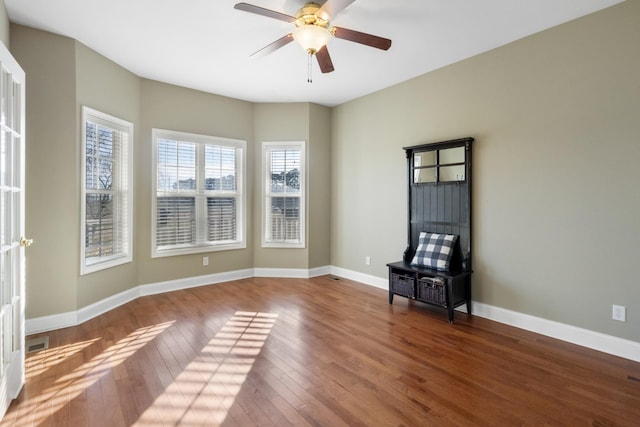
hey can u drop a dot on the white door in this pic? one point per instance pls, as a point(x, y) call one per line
point(12, 242)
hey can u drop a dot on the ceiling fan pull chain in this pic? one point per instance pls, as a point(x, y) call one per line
point(309, 63)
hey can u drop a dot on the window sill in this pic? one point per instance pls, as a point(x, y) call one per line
point(161, 253)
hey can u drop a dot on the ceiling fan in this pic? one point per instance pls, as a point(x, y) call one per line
point(312, 31)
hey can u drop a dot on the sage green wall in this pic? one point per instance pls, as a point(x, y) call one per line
point(105, 86)
point(555, 169)
point(319, 186)
point(297, 122)
point(4, 25)
point(62, 76)
point(556, 204)
point(277, 122)
point(52, 206)
point(171, 107)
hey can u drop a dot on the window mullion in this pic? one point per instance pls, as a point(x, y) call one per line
point(201, 198)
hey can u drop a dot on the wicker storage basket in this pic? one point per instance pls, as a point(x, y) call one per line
point(402, 285)
point(432, 290)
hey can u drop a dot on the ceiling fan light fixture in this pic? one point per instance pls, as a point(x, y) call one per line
point(311, 37)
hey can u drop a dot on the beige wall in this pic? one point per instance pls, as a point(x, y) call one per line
point(556, 205)
point(62, 76)
point(52, 205)
point(297, 122)
point(4, 25)
point(319, 175)
point(170, 107)
point(277, 122)
point(555, 169)
point(105, 86)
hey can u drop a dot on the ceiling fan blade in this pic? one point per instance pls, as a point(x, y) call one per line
point(334, 7)
point(362, 38)
point(324, 60)
point(272, 47)
point(246, 7)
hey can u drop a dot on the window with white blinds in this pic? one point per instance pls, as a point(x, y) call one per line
point(284, 184)
point(198, 192)
point(106, 231)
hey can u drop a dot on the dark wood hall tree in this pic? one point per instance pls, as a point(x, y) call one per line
point(439, 201)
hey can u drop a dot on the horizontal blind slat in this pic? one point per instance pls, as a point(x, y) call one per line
point(175, 221)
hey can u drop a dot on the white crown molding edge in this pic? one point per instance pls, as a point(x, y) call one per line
point(586, 338)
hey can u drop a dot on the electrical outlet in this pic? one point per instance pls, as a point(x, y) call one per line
point(367, 260)
point(619, 312)
point(205, 260)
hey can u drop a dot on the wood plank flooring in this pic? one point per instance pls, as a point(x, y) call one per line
point(317, 352)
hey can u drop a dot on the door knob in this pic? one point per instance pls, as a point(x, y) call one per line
point(25, 243)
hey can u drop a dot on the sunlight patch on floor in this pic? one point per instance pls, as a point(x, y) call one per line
point(205, 391)
point(68, 387)
point(38, 362)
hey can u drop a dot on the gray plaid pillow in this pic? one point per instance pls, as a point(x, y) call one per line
point(434, 251)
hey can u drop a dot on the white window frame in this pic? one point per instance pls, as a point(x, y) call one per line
point(267, 148)
point(201, 245)
point(122, 192)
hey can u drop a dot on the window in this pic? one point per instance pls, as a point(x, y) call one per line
point(198, 195)
point(284, 183)
point(106, 191)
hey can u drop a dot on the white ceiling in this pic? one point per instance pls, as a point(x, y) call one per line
point(205, 44)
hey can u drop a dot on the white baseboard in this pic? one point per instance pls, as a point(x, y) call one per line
point(192, 282)
point(319, 271)
point(72, 318)
point(96, 309)
point(51, 323)
point(367, 279)
point(295, 273)
point(573, 334)
point(583, 337)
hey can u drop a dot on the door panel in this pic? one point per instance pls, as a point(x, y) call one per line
point(12, 244)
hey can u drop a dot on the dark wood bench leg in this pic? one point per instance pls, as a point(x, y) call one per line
point(390, 297)
point(450, 307)
point(468, 293)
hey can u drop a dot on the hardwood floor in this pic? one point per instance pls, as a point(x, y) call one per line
point(318, 352)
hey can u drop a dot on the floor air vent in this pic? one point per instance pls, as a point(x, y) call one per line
point(37, 344)
point(334, 278)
